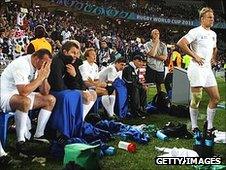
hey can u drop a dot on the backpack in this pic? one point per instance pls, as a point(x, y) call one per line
point(176, 131)
point(161, 101)
point(179, 111)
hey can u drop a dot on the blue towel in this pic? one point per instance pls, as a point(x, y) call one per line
point(121, 104)
point(67, 113)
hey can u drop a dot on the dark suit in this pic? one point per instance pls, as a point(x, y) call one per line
point(136, 93)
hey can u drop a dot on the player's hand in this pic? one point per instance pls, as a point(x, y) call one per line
point(156, 40)
point(44, 71)
point(71, 70)
point(199, 60)
point(213, 61)
point(87, 97)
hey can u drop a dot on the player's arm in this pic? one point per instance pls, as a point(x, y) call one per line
point(183, 44)
point(43, 73)
point(214, 56)
point(45, 87)
point(26, 89)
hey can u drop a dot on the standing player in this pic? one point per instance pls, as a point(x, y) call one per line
point(203, 50)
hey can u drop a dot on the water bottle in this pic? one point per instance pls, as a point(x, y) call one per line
point(130, 147)
point(110, 151)
point(161, 135)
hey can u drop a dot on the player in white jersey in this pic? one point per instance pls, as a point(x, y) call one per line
point(113, 71)
point(200, 44)
point(90, 75)
point(19, 80)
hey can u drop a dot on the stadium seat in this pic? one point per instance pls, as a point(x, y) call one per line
point(4, 118)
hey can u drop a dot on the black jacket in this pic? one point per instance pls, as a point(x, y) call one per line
point(59, 79)
point(131, 78)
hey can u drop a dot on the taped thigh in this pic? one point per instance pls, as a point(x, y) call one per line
point(196, 98)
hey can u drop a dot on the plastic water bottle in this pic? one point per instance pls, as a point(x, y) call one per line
point(110, 151)
point(161, 135)
point(130, 147)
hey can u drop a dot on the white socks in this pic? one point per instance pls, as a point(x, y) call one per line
point(108, 103)
point(2, 152)
point(21, 124)
point(43, 118)
point(194, 116)
point(210, 116)
point(86, 108)
point(112, 100)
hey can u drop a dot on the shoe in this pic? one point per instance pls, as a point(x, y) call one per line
point(22, 149)
point(140, 115)
point(41, 139)
point(196, 130)
point(7, 162)
point(210, 133)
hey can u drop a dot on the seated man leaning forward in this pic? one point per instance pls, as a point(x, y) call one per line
point(66, 75)
point(113, 71)
point(19, 80)
point(90, 75)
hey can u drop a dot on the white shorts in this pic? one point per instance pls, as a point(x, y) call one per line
point(6, 98)
point(201, 76)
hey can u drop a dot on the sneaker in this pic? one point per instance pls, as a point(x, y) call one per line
point(41, 139)
point(24, 148)
point(5, 160)
point(210, 133)
point(196, 130)
point(197, 133)
point(8, 162)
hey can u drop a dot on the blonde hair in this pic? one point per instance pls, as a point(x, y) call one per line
point(204, 11)
point(88, 50)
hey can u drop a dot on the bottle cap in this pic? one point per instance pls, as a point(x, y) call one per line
point(131, 147)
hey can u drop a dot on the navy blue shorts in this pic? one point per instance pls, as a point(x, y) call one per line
point(153, 76)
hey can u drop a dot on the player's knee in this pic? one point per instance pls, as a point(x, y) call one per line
point(215, 99)
point(196, 98)
point(25, 104)
point(51, 100)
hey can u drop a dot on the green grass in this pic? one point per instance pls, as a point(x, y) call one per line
point(145, 155)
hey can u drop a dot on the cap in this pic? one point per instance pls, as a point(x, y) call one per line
point(131, 147)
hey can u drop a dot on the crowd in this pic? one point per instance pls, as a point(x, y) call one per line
point(86, 57)
point(158, 8)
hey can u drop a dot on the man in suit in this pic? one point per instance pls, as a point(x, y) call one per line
point(136, 91)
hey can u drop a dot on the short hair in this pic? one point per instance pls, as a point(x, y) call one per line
point(40, 31)
point(120, 60)
point(204, 11)
point(88, 50)
point(138, 56)
point(69, 44)
point(41, 52)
